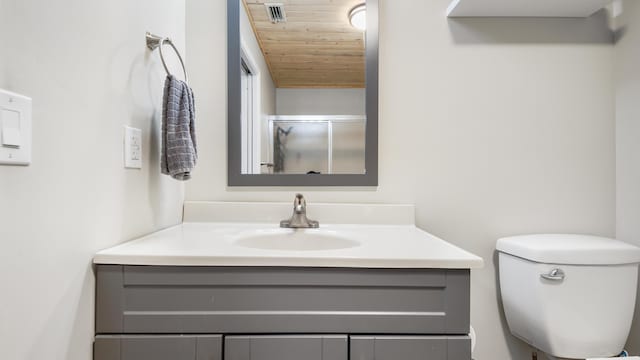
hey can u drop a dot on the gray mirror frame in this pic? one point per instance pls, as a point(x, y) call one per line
point(234, 174)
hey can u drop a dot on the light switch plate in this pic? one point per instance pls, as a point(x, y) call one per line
point(15, 129)
point(132, 148)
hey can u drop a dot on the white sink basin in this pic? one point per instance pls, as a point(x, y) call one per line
point(294, 240)
point(247, 234)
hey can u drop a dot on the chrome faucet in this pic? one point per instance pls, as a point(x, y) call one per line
point(299, 218)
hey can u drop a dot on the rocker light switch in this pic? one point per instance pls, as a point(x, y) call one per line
point(15, 129)
point(10, 128)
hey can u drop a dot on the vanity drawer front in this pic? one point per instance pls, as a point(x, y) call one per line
point(157, 347)
point(410, 347)
point(156, 299)
point(286, 347)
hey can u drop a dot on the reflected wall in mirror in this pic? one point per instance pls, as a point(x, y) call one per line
point(302, 93)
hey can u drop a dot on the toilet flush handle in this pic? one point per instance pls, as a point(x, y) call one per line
point(554, 275)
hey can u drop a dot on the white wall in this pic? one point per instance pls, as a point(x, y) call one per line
point(627, 88)
point(320, 102)
point(250, 42)
point(267, 88)
point(2, 41)
point(86, 67)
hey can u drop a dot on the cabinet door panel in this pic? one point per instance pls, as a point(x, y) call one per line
point(152, 348)
point(282, 347)
point(410, 348)
point(171, 347)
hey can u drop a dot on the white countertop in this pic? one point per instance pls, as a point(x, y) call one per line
point(212, 244)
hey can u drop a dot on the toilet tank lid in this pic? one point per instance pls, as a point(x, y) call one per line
point(570, 249)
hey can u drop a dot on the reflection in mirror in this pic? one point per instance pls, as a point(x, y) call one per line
point(320, 144)
point(302, 93)
point(302, 70)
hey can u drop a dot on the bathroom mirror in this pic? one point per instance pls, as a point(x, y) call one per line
point(302, 93)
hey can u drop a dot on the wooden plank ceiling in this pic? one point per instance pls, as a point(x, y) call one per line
point(315, 48)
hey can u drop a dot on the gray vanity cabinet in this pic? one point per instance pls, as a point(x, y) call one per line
point(158, 347)
point(282, 347)
point(271, 313)
point(410, 348)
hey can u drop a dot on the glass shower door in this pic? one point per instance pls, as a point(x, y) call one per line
point(301, 147)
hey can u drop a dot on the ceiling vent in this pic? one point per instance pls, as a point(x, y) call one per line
point(275, 11)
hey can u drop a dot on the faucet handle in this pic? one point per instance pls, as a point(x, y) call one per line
point(299, 203)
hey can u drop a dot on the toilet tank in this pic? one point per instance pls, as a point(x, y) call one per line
point(570, 296)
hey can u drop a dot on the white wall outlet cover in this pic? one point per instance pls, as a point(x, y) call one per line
point(15, 129)
point(132, 148)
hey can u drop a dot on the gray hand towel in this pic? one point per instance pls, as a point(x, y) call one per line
point(179, 151)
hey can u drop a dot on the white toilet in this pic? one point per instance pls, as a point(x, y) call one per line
point(570, 296)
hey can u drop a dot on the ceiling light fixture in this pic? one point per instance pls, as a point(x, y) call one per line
point(358, 17)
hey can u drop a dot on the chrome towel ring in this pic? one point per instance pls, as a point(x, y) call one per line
point(155, 41)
